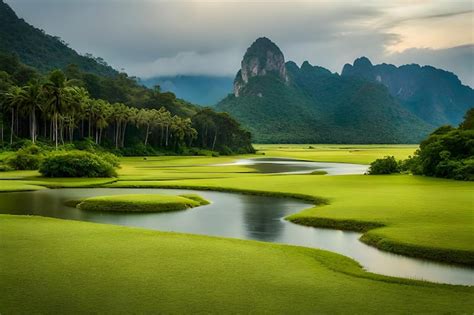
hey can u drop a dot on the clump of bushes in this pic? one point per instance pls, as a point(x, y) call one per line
point(387, 165)
point(28, 157)
point(78, 164)
point(448, 152)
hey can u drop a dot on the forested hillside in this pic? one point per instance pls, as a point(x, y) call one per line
point(52, 95)
point(280, 102)
point(40, 50)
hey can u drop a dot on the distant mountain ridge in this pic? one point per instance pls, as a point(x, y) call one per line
point(42, 51)
point(312, 105)
point(434, 95)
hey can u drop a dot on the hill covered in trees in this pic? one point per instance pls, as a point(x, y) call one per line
point(281, 102)
point(433, 95)
point(61, 108)
point(42, 51)
point(87, 100)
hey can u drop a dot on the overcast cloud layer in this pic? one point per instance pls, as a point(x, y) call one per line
point(150, 38)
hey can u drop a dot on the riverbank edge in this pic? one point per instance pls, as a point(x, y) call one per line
point(369, 236)
point(368, 228)
point(333, 261)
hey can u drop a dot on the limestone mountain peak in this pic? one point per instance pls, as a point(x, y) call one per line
point(261, 58)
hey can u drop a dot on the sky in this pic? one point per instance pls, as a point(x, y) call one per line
point(150, 38)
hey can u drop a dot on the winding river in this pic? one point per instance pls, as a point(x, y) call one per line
point(237, 216)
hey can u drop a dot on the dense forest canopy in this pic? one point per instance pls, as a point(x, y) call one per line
point(115, 112)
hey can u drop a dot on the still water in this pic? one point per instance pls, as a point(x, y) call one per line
point(238, 216)
point(292, 166)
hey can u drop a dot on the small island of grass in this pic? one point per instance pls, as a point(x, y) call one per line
point(142, 203)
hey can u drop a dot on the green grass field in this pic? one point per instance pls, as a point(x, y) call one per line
point(54, 266)
point(359, 154)
point(143, 271)
point(142, 203)
point(428, 213)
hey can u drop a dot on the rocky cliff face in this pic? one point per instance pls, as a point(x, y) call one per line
point(262, 57)
point(437, 96)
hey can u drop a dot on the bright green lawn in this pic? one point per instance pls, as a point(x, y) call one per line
point(53, 266)
point(359, 154)
point(433, 214)
point(141, 203)
point(10, 185)
point(61, 267)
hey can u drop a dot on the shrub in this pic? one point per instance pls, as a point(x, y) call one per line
point(76, 164)
point(86, 144)
point(5, 168)
point(110, 158)
point(448, 152)
point(387, 165)
point(27, 158)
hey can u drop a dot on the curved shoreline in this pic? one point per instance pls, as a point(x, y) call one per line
point(430, 253)
point(368, 228)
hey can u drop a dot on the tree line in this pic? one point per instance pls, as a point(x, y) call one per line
point(59, 111)
point(59, 108)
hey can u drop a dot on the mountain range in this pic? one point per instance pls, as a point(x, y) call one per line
point(434, 95)
point(282, 102)
point(277, 100)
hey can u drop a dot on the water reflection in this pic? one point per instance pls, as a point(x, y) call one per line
point(291, 166)
point(262, 219)
point(237, 216)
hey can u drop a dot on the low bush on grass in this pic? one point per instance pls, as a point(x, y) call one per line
point(26, 158)
point(141, 203)
point(5, 167)
point(77, 164)
point(387, 165)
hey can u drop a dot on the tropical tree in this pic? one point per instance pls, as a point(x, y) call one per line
point(31, 101)
point(58, 93)
point(12, 99)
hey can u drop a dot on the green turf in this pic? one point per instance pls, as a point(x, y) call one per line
point(141, 203)
point(14, 185)
point(423, 217)
point(52, 266)
point(359, 154)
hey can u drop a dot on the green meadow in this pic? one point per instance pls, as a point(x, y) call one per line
point(76, 267)
point(111, 269)
point(359, 154)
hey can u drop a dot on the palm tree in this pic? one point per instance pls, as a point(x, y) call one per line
point(58, 93)
point(148, 118)
point(101, 112)
point(75, 97)
point(13, 99)
point(31, 100)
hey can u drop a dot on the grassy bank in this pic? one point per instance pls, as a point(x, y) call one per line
point(433, 216)
point(92, 268)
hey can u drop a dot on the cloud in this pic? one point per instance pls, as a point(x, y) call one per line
point(164, 37)
point(191, 63)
